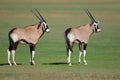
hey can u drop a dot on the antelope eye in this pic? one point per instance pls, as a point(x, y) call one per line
point(94, 24)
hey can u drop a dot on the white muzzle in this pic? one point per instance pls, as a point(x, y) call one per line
point(47, 30)
point(98, 30)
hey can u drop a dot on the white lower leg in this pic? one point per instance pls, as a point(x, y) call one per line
point(33, 54)
point(9, 58)
point(69, 56)
point(80, 53)
point(85, 62)
point(32, 58)
point(13, 56)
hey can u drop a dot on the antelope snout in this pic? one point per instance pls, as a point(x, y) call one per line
point(47, 30)
point(98, 30)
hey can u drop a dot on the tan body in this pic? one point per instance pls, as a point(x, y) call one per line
point(78, 33)
point(29, 34)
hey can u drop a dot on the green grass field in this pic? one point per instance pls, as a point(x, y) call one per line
point(103, 51)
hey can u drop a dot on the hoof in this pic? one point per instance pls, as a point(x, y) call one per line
point(85, 63)
point(9, 64)
point(15, 64)
point(79, 62)
point(32, 63)
point(69, 64)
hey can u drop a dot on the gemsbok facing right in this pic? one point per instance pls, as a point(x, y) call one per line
point(81, 36)
point(28, 35)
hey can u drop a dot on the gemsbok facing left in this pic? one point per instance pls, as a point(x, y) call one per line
point(81, 36)
point(28, 35)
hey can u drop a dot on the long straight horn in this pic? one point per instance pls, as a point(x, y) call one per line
point(40, 15)
point(36, 15)
point(90, 15)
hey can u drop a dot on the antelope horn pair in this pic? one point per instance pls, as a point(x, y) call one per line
point(40, 16)
point(90, 15)
point(42, 19)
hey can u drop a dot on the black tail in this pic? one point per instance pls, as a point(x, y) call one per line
point(10, 40)
point(68, 46)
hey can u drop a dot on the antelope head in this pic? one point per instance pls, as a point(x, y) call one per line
point(42, 21)
point(94, 23)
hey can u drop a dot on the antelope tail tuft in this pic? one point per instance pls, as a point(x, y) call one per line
point(68, 46)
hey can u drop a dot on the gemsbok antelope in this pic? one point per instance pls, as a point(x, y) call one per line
point(81, 36)
point(28, 35)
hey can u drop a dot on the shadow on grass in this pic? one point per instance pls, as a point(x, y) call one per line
point(55, 63)
point(6, 64)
